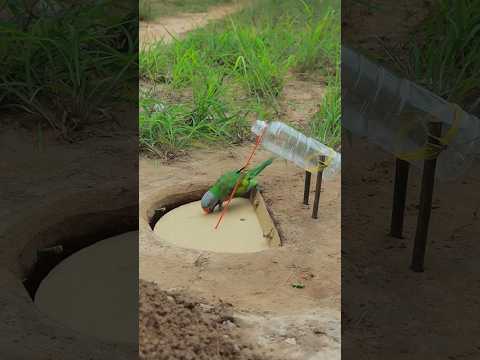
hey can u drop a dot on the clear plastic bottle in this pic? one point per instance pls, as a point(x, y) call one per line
point(394, 113)
point(294, 146)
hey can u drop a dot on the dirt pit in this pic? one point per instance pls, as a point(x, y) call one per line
point(240, 230)
point(283, 321)
point(94, 290)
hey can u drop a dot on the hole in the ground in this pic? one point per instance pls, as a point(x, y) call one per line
point(64, 238)
point(82, 273)
point(246, 227)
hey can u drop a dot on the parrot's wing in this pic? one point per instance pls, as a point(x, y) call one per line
point(226, 183)
point(252, 183)
point(245, 186)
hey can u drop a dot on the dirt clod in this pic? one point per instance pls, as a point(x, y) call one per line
point(175, 326)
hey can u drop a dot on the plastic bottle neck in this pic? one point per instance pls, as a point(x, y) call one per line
point(258, 127)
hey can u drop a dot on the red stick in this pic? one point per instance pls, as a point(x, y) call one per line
point(257, 144)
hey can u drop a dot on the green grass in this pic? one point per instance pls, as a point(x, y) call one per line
point(145, 10)
point(446, 57)
point(67, 65)
point(236, 70)
point(325, 123)
point(166, 128)
point(442, 53)
point(153, 9)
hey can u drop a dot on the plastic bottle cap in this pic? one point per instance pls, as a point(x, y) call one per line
point(258, 127)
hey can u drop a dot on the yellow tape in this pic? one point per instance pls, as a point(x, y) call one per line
point(430, 150)
point(321, 164)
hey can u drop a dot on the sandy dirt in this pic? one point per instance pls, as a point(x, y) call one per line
point(383, 33)
point(389, 311)
point(53, 161)
point(177, 326)
point(168, 28)
point(300, 99)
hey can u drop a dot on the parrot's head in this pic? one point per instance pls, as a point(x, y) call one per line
point(208, 202)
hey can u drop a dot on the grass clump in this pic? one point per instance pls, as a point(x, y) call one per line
point(446, 57)
point(319, 49)
point(261, 73)
point(325, 124)
point(66, 64)
point(167, 127)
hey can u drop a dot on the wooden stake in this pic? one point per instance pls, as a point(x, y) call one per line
point(426, 196)
point(399, 197)
point(318, 187)
point(306, 190)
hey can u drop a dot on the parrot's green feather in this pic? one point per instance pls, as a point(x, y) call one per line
point(257, 170)
point(225, 184)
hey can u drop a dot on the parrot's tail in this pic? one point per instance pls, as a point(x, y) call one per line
point(257, 170)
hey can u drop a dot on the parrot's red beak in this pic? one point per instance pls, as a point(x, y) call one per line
point(206, 210)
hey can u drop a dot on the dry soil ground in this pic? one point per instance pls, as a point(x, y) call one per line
point(270, 315)
point(171, 27)
point(176, 326)
point(389, 311)
point(383, 31)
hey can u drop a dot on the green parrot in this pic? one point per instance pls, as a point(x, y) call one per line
point(223, 187)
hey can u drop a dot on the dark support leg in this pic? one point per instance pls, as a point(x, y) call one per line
point(306, 191)
point(318, 187)
point(399, 197)
point(426, 196)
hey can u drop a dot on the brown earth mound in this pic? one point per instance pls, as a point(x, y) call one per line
point(174, 326)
